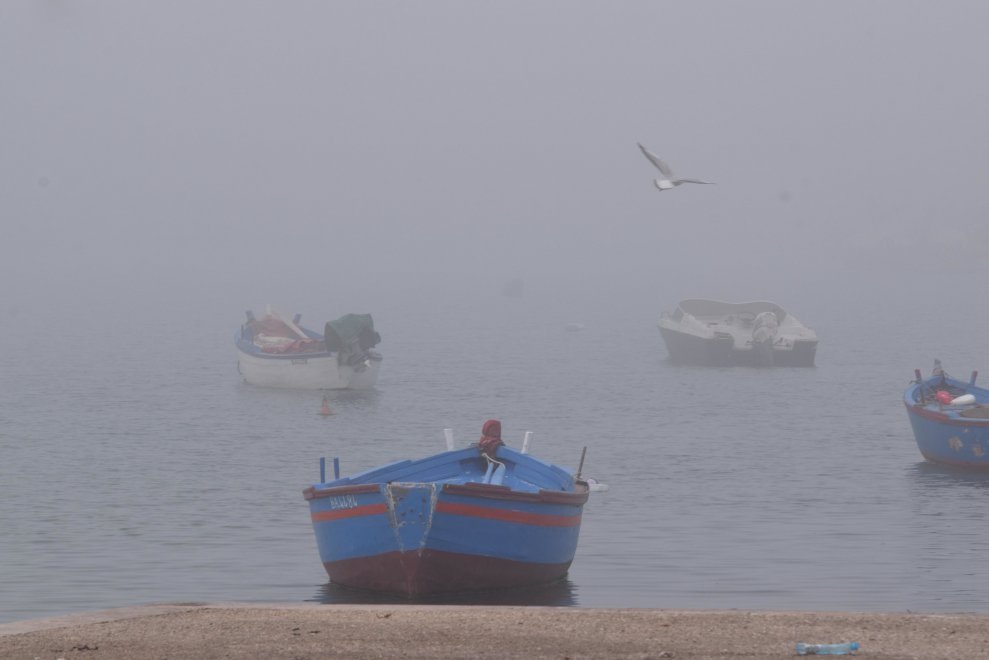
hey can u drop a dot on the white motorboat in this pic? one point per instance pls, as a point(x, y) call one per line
point(718, 333)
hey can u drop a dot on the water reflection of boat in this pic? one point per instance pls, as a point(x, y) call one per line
point(950, 419)
point(934, 476)
point(274, 352)
point(562, 593)
point(474, 519)
point(710, 332)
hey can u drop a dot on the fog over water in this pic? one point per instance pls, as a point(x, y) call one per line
point(238, 146)
point(166, 166)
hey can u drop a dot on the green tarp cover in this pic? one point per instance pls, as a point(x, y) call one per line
point(344, 331)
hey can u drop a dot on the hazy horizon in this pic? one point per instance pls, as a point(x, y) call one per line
point(242, 147)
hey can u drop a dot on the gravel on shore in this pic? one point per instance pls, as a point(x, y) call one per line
point(275, 630)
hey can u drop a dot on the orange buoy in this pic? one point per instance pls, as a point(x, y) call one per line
point(325, 411)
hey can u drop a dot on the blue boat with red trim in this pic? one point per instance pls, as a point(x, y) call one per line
point(950, 419)
point(480, 518)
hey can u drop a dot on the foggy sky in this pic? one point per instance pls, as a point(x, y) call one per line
point(240, 142)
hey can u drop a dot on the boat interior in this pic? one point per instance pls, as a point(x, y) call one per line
point(740, 321)
point(509, 468)
point(926, 394)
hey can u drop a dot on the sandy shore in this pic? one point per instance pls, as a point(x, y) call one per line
point(271, 630)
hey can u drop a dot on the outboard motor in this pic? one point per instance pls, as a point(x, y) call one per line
point(764, 330)
point(352, 336)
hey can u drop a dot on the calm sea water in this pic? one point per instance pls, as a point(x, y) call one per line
point(136, 468)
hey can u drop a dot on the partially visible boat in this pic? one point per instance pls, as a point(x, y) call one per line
point(715, 333)
point(274, 352)
point(459, 521)
point(950, 419)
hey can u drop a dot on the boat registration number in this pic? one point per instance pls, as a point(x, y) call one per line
point(343, 502)
point(300, 361)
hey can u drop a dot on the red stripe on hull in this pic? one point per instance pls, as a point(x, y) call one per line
point(525, 518)
point(414, 574)
point(337, 514)
point(496, 492)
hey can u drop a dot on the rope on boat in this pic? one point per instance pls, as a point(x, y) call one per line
point(493, 460)
point(491, 471)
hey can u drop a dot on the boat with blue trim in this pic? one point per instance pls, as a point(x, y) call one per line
point(950, 419)
point(274, 352)
point(480, 518)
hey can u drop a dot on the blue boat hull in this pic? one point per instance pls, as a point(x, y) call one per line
point(950, 435)
point(423, 538)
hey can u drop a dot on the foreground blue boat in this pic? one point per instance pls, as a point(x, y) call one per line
point(950, 419)
point(462, 520)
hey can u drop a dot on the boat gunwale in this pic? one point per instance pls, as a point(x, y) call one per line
point(949, 416)
point(314, 493)
point(499, 492)
point(472, 489)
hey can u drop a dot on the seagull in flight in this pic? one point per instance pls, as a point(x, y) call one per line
point(666, 182)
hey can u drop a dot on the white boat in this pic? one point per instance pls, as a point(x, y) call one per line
point(274, 352)
point(718, 333)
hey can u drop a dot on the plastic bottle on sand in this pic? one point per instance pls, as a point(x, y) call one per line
point(827, 649)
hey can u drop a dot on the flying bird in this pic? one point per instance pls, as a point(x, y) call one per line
point(666, 182)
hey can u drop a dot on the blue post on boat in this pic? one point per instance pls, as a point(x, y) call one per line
point(336, 467)
point(322, 469)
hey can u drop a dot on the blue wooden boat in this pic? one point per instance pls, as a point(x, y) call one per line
point(950, 419)
point(461, 520)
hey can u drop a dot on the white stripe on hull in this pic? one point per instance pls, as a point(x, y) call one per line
point(305, 373)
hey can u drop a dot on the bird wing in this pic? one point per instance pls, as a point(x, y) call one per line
point(691, 181)
point(655, 160)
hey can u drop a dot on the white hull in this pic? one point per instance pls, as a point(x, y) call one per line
point(718, 333)
point(305, 373)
